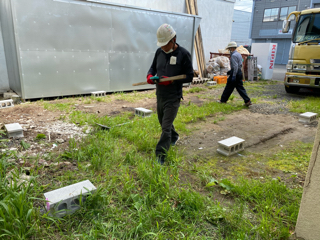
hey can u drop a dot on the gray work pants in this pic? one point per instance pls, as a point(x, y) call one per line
point(167, 110)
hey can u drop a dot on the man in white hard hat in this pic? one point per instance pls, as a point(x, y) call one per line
point(235, 77)
point(170, 60)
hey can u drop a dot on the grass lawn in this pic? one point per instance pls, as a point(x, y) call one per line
point(138, 199)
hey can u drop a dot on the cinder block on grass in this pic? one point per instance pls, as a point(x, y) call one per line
point(66, 200)
point(142, 112)
point(230, 146)
point(14, 130)
point(308, 117)
point(6, 103)
point(98, 93)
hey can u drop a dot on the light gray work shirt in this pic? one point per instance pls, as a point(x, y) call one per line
point(235, 62)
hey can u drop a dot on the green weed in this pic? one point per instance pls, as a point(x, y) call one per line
point(293, 159)
point(18, 217)
point(268, 200)
point(133, 96)
point(40, 136)
point(194, 90)
point(2, 133)
point(194, 113)
point(309, 104)
point(25, 145)
point(66, 107)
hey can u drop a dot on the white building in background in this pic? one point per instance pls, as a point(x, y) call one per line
point(241, 27)
point(267, 23)
point(216, 25)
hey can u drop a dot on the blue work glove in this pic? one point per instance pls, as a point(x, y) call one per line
point(155, 79)
point(233, 79)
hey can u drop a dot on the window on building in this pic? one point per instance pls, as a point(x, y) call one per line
point(285, 11)
point(271, 14)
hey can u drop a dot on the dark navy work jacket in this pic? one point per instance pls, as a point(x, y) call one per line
point(163, 65)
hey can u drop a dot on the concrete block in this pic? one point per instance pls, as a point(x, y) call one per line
point(230, 146)
point(6, 103)
point(211, 83)
point(142, 112)
point(98, 93)
point(14, 130)
point(66, 200)
point(307, 117)
point(8, 95)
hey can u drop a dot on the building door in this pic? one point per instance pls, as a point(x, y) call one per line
point(282, 50)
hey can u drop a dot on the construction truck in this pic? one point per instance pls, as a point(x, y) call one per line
point(303, 68)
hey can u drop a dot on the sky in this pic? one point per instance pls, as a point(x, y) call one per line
point(243, 5)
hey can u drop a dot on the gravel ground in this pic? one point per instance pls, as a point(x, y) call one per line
point(279, 90)
point(265, 108)
point(280, 99)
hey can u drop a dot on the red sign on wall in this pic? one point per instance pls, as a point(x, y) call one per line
point(273, 56)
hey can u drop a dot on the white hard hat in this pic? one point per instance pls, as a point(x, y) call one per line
point(164, 34)
point(231, 44)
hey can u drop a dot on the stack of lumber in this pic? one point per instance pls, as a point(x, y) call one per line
point(192, 8)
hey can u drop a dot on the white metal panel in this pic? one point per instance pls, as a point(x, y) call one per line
point(48, 20)
point(4, 80)
point(241, 27)
point(49, 74)
point(69, 47)
point(266, 56)
point(10, 47)
point(216, 22)
point(55, 26)
point(164, 5)
point(124, 75)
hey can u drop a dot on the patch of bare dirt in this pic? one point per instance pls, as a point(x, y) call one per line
point(262, 133)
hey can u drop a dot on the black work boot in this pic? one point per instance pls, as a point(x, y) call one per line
point(247, 104)
point(161, 159)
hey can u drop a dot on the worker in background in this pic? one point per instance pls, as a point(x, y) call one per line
point(235, 77)
point(170, 60)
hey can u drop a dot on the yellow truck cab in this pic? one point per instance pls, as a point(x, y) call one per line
point(303, 68)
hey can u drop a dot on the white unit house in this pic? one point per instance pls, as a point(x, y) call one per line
point(65, 47)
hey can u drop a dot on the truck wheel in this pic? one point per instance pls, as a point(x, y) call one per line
point(292, 89)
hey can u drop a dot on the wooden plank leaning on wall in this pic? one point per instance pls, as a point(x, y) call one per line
point(192, 8)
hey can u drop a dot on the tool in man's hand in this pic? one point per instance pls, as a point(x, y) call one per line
point(155, 79)
point(179, 77)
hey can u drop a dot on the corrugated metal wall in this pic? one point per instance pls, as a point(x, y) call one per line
point(4, 80)
point(70, 47)
point(241, 27)
point(8, 35)
point(216, 22)
point(216, 29)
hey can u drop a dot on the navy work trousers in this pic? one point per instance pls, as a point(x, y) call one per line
point(167, 110)
point(231, 85)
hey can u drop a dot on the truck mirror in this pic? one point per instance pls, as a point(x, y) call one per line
point(285, 26)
